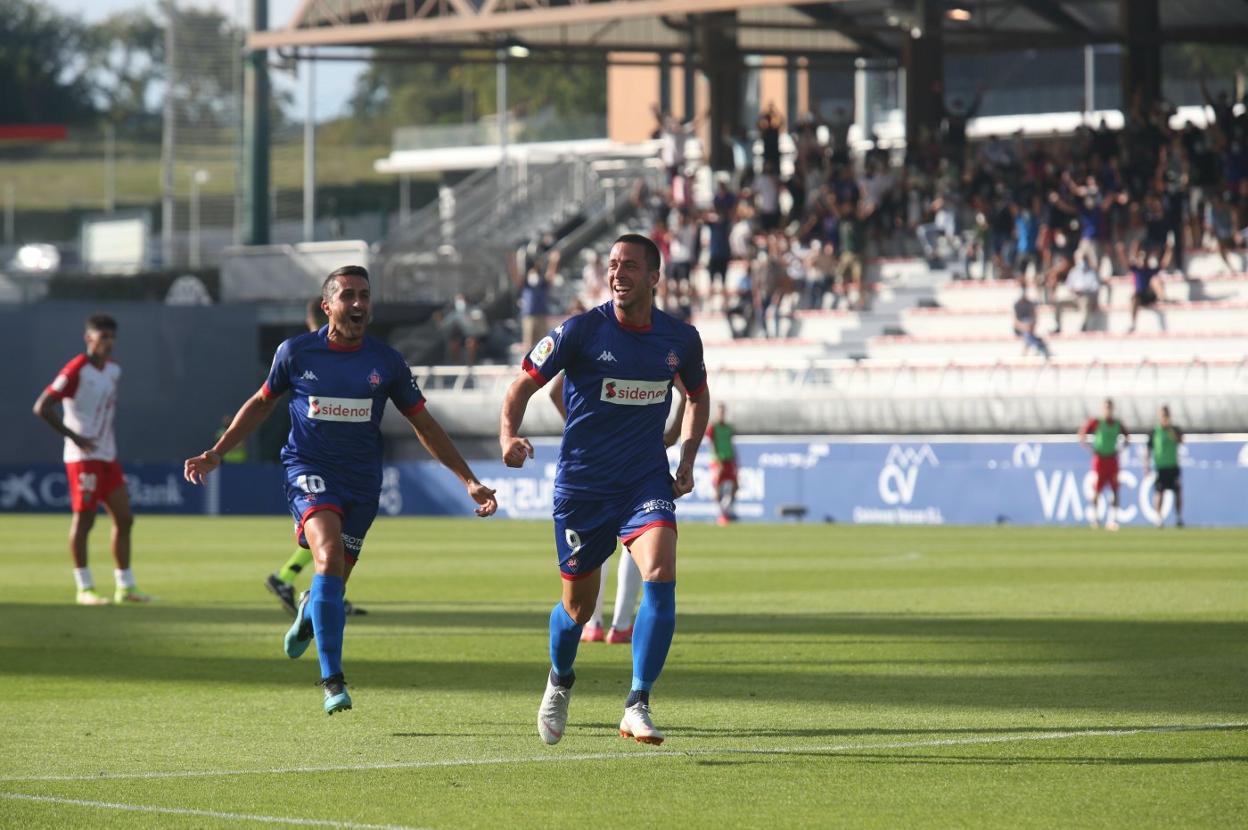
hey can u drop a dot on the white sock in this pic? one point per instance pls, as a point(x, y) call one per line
point(124, 577)
point(82, 576)
point(627, 588)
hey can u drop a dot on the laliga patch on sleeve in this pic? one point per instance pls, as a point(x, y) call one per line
point(60, 383)
point(542, 351)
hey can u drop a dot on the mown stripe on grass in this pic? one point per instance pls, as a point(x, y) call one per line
point(188, 811)
point(649, 754)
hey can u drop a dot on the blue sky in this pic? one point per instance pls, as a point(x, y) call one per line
point(334, 80)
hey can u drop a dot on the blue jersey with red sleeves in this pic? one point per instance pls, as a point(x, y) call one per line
point(337, 399)
point(617, 387)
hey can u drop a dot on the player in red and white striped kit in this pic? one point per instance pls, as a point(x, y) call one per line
point(86, 388)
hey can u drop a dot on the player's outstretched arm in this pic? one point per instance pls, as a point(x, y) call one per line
point(250, 416)
point(697, 416)
point(515, 449)
point(434, 438)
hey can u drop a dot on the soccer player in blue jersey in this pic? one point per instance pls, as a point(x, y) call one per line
point(612, 478)
point(339, 380)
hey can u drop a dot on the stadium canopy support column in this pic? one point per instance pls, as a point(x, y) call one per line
point(1141, 55)
point(256, 133)
point(721, 60)
point(923, 56)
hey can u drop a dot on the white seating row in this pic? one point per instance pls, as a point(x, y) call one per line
point(1088, 346)
point(1000, 294)
point(1179, 318)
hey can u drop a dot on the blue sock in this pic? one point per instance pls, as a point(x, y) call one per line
point(329, 618)
point(565, 636)
point(652, 632)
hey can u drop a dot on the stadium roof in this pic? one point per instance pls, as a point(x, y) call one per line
point(850, 27)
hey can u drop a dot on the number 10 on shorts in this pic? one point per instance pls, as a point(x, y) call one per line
point(310, 484)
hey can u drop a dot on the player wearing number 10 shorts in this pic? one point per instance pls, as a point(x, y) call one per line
point(339, 380)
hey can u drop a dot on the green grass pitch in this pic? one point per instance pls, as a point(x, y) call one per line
point(822, 675)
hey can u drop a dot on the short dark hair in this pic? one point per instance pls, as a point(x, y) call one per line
point(101, 322)
point(327, 291)
point(653, 261)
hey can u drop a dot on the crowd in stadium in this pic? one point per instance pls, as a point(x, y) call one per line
point(797, 230)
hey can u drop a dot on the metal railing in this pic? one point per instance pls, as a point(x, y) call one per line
point(458, 243)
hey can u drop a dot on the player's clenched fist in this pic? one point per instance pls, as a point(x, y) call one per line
point(683, 482)
point(515, 450)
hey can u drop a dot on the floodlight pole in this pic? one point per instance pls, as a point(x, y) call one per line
point(309, 153)
point(256, 133)
point(110, 168)
point(501, 98)
point(167, 138)
point(198, 177)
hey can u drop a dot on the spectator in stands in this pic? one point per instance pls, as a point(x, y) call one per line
point(1149, 291)
point(767, 199)
point(1082, 290)
point(821, 275)
point(1172, 181)
point(1026, 231)
point(719, 221)
point(1025, 322)
point(533, 288)
point(674, 135)
point(465, 326)
point(681, 256)
point(941, 233)
point(953, 126)
point(739, 309)
point(594, 287)
point(851, 263)
point(770, 122)
point(1222, 219)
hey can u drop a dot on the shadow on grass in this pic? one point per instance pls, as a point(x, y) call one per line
point(1011, 761)
point(1127, 666)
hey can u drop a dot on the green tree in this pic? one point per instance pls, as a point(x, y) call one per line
point(42, 73)
point(393, 94)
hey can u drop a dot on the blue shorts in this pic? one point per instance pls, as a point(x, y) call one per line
point(586, 529)
point(308, 492)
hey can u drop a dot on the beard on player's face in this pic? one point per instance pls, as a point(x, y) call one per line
point(349, 315)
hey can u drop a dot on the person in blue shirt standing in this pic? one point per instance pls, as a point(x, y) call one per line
point(612, 479)
point(339, 380)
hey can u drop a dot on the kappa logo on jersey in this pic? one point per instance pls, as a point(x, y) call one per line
point(634, 392)
point(309, 375)
point(374, 379)
point(606, 357)
point(544, 348)
point(352, 410)
point(672, 361)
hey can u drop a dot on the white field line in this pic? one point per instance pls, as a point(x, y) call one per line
point(554, 756)
point(185, 811)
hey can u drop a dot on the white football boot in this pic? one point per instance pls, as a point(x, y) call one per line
point(637, 725)
point(552, 715)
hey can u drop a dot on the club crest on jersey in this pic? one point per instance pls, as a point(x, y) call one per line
point(374, 379)
point(672, 361)
point(542, 351)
